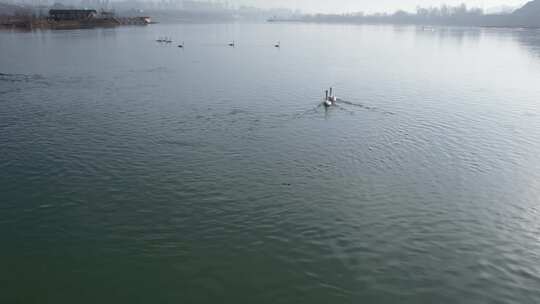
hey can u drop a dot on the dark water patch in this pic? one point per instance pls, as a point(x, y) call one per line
point(238, 112)
point(20, 77)
point(8, 91)
point(76, 80)
point(159, 69)
point(17, 83)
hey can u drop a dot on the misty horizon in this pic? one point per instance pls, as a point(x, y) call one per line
point(370, 6)
point(314, 6)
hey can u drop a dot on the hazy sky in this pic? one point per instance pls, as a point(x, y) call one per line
point(339, 6)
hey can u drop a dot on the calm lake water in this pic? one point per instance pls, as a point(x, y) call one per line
point(134, 172)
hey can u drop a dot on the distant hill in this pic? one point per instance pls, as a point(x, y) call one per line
point(532, 8)
point(528, 15)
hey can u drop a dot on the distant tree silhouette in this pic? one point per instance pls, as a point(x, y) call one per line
point(527, 16)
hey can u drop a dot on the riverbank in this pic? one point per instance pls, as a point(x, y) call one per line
point(31, 23)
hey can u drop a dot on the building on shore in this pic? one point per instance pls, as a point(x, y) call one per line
point(72, 14)
point(70, 19)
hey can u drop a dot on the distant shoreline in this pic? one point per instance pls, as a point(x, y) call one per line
point(527, 16)
point(348, 22)
point(30, 23)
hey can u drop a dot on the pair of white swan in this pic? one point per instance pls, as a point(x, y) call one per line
point(330, 99)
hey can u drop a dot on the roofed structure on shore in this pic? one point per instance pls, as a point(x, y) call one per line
point(72, 14)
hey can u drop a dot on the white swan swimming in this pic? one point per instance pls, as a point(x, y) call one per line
point(330, 99)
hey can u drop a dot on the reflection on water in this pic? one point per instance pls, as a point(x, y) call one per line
point(530, 39)
point(132, 171)
point(457, 35)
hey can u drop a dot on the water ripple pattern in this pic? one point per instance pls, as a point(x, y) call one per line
point(136, 172)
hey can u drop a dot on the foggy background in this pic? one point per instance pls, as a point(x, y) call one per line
point(307, 6)
point(370, 6)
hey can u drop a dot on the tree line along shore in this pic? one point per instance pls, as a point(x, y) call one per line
point(526, 16)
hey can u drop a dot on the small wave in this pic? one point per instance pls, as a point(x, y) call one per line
point(158, 69)
point(19, 77)
point(237, 111)
point(363, 106)
point(314, 110)
point(341, 105)
point(344, 109)
point(8, 91)
point(179, 143)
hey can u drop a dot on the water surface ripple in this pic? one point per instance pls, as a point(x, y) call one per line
point(133, 172)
